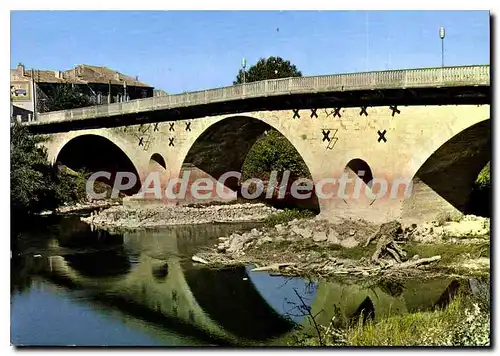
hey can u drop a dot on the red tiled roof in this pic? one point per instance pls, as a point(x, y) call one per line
point(81, 74)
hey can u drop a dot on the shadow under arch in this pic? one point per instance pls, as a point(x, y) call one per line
point(95, 153)
point(231, 300)
point(223, 147)
point(360, 176)
point(451, 171)
point(361, 169)
point(158, 158)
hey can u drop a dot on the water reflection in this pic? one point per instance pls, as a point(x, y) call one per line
point(233, 302)
point(148, 279)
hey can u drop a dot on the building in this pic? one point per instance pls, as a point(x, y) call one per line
point(31, 89)
point(159, 92)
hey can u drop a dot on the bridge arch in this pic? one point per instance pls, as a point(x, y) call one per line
point(361, 169)
point(95, 152)
point(444, 175)
point(224, 144)
point(361, 181)
point(157, 159)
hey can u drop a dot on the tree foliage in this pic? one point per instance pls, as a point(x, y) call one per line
point(32, 186)
point(65, 97)
point(480, 197)
point(272, 151)
point(483, 179)
point(35, 184)
point(270, 68)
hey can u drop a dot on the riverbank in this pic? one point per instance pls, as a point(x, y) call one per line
point(131, 218)
point(356, 248)
point(313, 247)
point(83, 207)
point(464, 322)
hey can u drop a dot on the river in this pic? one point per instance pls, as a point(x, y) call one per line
point(74, 286)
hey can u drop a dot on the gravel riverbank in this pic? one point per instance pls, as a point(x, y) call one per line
point(125, 217)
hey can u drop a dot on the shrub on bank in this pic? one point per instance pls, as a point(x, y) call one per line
point(35, 184)
point(70, 186)
point(460, 324)
point(483, 179)
point(480, 199)
point(465, 322)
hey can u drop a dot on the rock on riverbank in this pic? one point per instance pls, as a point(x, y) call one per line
point(316, 246)
point(467, 229)
point(83, 207)
point(161, 216)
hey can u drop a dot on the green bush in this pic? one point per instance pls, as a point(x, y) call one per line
point(35, 184)
point(483, 179)
point(32, 186)
point(480, 198)
point(273, 152)
point(70, 186)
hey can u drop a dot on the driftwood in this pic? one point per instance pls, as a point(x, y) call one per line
point(372, 237)
point(394, 254)
point(416, 263)
point(386, 234)
point(273, 267)
point(199, 260)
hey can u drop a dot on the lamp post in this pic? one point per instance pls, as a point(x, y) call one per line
point(244, 65)
point(441, 35)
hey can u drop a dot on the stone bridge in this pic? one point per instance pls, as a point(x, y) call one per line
point(430, 127)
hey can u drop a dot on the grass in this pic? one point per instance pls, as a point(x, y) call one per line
point(288, 215)
point(449, 252)
point(464, 322)
point(355, 253)
point(440, 327)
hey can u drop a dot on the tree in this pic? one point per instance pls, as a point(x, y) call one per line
point(36, 185)
point(483, 179)
point(271, 151)
point(65, 97)
point(270, 68)
point(32, 186)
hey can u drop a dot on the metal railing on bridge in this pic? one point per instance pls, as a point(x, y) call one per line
point(392, 79)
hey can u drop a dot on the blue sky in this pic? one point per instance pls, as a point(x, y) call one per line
point(184, 51)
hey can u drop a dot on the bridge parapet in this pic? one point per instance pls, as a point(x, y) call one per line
point(463, 76)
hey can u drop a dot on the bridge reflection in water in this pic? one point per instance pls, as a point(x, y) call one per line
point(149, 276)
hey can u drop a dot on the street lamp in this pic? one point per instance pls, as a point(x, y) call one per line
point(244, 65)
point(441, 35)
